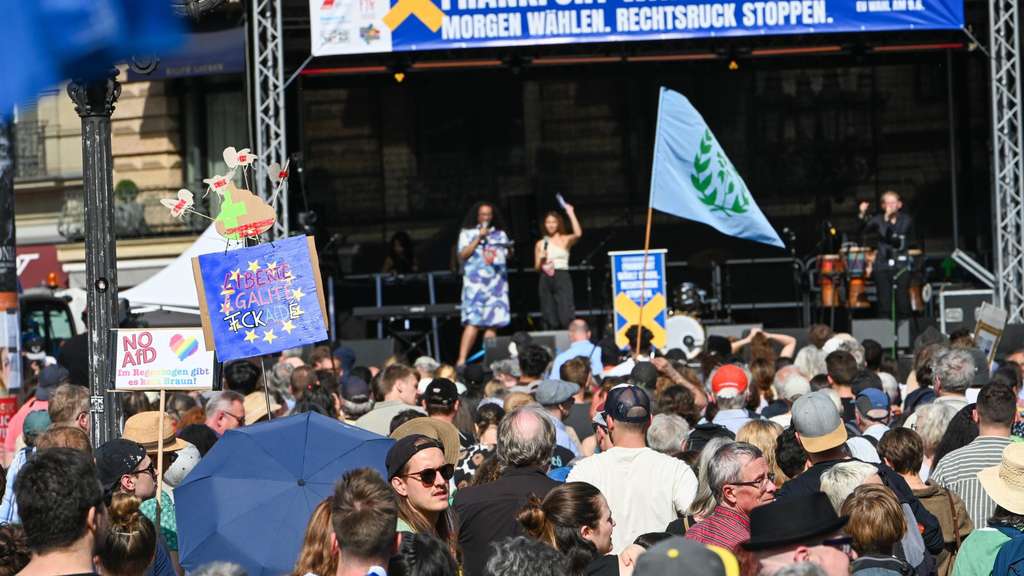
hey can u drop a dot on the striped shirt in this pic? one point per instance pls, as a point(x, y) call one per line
point(724, 527)
point(958, 471)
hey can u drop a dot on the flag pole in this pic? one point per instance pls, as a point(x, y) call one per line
point(643, 277)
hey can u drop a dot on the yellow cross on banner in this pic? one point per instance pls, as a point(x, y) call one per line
point(628, 309)
point(425, 10)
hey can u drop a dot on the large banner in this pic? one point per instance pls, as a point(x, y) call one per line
point(367, 26)
point(631, 285)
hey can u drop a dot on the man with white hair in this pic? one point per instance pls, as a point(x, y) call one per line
point(729, 384)
point(846, 343)
point(953, 371)
point(839, 481)
point(426, 366)
point(667, 433)
point(789, 384)
point(225, 411)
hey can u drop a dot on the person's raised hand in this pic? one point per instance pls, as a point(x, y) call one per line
point(863, 207)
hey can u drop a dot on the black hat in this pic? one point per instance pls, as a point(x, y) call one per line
point(865, 379)
point(628, 404)
point(405, 448)
point(116, 458)
point(355, 389)
point(704, 433)
point(644, 374)
point(441, 392)
point(792, 520)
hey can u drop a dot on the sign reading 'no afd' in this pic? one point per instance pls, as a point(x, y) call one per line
point(367, 26)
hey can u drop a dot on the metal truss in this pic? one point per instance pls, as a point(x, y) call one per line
point(268, 102)
point(1007, 156)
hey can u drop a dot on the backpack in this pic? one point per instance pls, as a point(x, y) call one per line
point(1010, 559)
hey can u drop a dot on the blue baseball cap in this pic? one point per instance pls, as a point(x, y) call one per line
point(628, 404)
point(873, 403)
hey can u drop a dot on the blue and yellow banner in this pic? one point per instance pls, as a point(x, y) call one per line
point(261, 299)
point(372, 26)
point(635, 289)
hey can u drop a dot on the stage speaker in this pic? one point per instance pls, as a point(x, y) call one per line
point(880, 330)
point(497, 349)
point(560, 337)
point(372, 352)
point(737, 331)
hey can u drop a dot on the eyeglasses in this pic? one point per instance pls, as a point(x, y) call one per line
point(761, 483)
point(151, 470)
point(428, 475)
point(239, 419)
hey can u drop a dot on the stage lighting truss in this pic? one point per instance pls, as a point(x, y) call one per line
point(267, 69)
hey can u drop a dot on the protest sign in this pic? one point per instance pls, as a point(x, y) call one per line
point(261, 299)
point(989, 329)
point(162, 359)
point(8, 408)
point(639, 295)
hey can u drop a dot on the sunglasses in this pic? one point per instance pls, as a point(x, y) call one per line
point(844, 544)
point(239, 419)
point(151, 470)
point(427, 476)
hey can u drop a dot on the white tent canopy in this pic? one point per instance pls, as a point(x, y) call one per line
point(173, 288)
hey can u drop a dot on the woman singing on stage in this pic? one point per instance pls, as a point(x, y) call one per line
point(551, 258)
point(483, 248)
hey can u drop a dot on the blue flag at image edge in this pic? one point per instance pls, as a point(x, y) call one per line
point(692, 178)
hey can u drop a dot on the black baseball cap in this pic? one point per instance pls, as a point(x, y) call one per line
point(116, 458)
point(441, 392)
point(404, 449)
point(628, 403)
point(355, 389)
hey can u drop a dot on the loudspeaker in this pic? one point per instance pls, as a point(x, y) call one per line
point(880, 330)
point(737, 331)
point(371, 352)
point(959, 308)
point(561, 338)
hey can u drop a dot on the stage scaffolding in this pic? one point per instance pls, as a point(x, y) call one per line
point(267, 85)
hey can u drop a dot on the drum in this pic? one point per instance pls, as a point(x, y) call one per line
point(856, 260)
point(684, 332)
point(830, 267)
point(917, 300)
point(689, 299)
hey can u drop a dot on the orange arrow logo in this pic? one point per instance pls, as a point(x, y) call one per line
point(427, 12)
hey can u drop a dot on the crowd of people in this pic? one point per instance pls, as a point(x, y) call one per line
point(755, 457)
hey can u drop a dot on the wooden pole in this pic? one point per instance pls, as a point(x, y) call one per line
point(643, 277)
point(160, 456)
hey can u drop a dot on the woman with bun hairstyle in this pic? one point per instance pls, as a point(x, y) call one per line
point(130, 542)
point(574, 519)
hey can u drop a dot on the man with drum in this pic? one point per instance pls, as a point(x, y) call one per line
point(891, 234)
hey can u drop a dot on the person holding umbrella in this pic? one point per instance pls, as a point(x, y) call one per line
point(420, 475)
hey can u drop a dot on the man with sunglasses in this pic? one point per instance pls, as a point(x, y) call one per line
point(225, 411)
point(419, 476)
point(124, 466)
point(741, 480)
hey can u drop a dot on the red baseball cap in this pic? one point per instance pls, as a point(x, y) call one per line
point(729, 376)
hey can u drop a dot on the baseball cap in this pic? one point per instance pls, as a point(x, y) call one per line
point(116, 458)
point(405, 448)
point(678, 556)
point(35, 423)
point(441, 391)
point(49, 378)
point(873, 404)
point(355, 389)
point(553, 392)
point(628, 403)
point(644, 374)
point(816, 419)
point(729, 380)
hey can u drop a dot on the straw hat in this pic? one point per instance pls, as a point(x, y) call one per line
point(256, 406)
point(1005, 483)
point(144, 428)
point(443, 432)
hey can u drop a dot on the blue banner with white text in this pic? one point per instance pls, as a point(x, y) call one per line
point(369, 26)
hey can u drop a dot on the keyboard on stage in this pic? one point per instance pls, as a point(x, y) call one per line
point(404, 311)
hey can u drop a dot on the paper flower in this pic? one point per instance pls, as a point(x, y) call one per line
point(179, 205)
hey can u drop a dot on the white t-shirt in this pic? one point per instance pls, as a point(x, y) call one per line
point(646, 490)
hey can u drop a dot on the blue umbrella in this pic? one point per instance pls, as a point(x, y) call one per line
point(249, 499)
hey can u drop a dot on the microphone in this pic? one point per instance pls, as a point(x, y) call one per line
point(545, 245)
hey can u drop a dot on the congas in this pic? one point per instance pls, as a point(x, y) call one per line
point(830, 268)
point(856, 260)
point(684, 332)
point(917, 300)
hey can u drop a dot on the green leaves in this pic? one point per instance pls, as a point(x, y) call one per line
point(703, 178)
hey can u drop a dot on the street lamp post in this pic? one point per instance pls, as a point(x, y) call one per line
point(94, 102)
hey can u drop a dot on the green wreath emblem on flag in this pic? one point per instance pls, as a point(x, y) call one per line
point(715, 179)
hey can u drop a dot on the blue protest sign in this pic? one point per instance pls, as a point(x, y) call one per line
point(635, 289)
point(368, 26)
point(262, 299)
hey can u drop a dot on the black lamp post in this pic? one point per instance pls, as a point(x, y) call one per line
point(94, 102)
